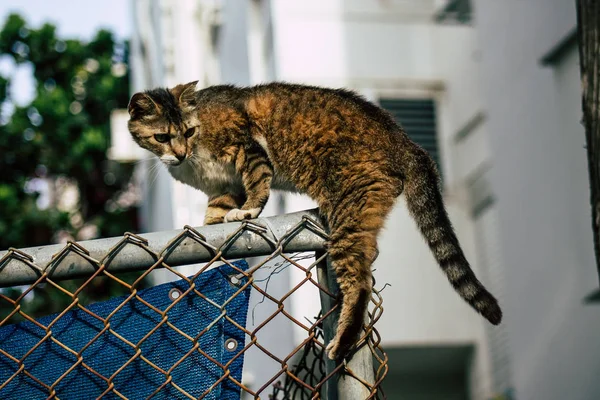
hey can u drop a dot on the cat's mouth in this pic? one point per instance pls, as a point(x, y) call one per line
point(172, 161)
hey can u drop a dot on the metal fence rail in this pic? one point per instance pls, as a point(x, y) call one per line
point(305, 371)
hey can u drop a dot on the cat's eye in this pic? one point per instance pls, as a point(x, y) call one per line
point(161, 137)
point(189, 133)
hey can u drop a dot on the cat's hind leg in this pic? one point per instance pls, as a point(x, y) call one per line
point(354, 226)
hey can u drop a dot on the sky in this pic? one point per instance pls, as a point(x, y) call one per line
point(78, 19)
point(74, 18)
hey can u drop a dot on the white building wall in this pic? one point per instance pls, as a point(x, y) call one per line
point(466, 152)
point(540, 180)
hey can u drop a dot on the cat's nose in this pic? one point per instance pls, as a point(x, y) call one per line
point(180, 157)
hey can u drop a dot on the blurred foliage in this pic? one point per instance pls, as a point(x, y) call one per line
point(59, 142)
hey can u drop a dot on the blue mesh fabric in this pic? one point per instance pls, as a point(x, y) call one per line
point(134, 320)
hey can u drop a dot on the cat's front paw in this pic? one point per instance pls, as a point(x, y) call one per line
point(213, 221)
point(239, 215)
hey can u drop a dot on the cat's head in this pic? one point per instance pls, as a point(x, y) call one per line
point(164, 122)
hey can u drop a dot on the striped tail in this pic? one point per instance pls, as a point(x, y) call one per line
point(426, 206)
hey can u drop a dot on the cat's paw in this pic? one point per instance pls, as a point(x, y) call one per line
point(213, 221)
point(240, 215)
point(336, 350)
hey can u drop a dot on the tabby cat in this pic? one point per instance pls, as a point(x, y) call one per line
point(236, 144)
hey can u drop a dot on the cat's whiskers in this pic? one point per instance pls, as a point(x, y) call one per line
point(142, 161)
point(153, 172)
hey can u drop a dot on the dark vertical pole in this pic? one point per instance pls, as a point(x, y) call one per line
point(329, 323)
point(588, 37)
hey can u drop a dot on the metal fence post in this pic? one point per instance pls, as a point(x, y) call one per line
point(342, 386)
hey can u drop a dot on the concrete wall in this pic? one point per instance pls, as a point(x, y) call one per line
point(539, 178)
point(232, 45)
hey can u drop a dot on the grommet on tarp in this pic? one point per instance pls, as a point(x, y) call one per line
point(236, 279)
point(231, 344)
point(174, 294)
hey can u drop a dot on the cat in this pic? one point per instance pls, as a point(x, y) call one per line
point(237, 143)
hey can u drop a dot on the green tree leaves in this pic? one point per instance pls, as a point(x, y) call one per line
point(63, 132)
point(55, 179)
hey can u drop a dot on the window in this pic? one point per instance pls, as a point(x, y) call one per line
point(417, 117)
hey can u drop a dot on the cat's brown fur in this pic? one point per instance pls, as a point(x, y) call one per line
point(344, 152)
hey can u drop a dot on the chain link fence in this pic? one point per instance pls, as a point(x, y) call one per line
point(198, 317)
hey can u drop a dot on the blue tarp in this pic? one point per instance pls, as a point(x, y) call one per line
point(133, 321)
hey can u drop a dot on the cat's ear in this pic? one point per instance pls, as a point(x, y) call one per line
point(186, 93)
point(141, 105)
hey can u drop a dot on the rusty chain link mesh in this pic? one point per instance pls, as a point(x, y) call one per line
point(302, 373)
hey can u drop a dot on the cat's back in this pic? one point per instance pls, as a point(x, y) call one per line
point(301, 114)
point(314, 134)
point(287, 100)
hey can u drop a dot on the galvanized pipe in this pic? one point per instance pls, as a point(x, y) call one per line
point(259, 239)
